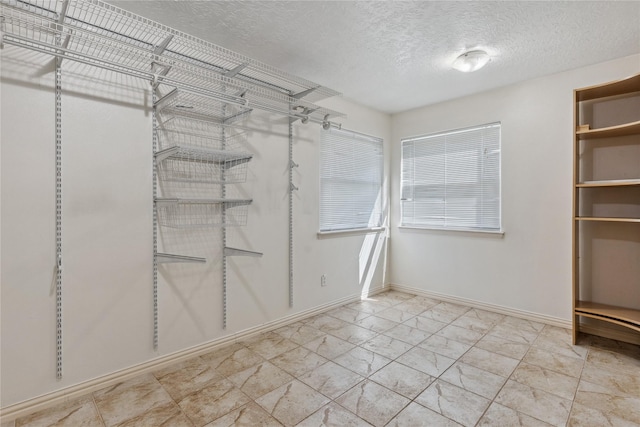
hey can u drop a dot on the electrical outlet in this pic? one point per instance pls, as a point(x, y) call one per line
point(323, 280)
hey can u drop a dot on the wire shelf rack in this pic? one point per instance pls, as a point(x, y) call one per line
point(185, 131)
point(96, 33)
point(180, 164)
point(179, 101)
point(195, 213)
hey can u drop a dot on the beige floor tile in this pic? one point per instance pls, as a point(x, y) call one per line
point(387, 346)
point(612, 360)
point(553, 382)
point(326, 323)
point(486, 315)
point(514, 350)
point(444, 346)
point(129, 399)
point(445, 398)
point(425, 301)
point(478, 320)
point(571, 366)
point(461, 359)
point(627, 349)
point(212, 402)
point(229, 361)
point(353, 334)
point(616, 382)
point(406, 333)
point(412, 307)
point(584, 416)
point(473, 379)
point(403, 380)
point(249, 415)
point(260, 379)
point(453, 308)
point(392, 297)
point(498, 415)
point(471, 323)
point(426, 361)
point(186, 377)
point(559, 340)
point(271, 345)
point(329, 346)
point(78, 412)
point(536, 403)
point(333, 415)
point(292, 402)
point(424, 324)
point(395, 315)
point(527, 325)
point(440, 314)
point(370, 307)
point(166, 415)
point(372, 402)
point(361, 361)
point(347, 314)
point(492, 362)
point(377, 324)
point(299, 333)
point(598, 397)
point(416, 415)
point(513, 333)
point(298, 361)
point(331, 379)
point(463, 335)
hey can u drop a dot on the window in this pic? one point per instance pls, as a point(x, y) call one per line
point(451, 180)
point(351, 168)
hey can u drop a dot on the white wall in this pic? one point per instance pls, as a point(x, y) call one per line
point(107, 232)
point(529, 268)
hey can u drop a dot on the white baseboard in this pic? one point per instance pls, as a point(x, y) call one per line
point(523, 314)
point(67, 394)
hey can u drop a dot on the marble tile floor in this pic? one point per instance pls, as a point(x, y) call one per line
point(393, 360)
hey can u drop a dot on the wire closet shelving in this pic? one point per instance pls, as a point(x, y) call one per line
point(201, 91)
point(102, 35)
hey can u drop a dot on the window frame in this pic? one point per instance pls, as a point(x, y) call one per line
point(329, 229)
point(486, 230)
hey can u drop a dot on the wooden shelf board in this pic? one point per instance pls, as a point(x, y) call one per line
point(605, 219)
point(630, 84)
point(612, 131)
point(608, 183)
point(628, 317)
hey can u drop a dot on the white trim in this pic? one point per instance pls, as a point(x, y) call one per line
point(523, 314)
point(338, 233)
point(67, 394)
point(465, 230)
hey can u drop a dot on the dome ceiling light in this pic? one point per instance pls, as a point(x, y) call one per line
point(471, 61)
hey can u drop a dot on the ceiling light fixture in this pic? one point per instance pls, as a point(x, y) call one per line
point(471, 61)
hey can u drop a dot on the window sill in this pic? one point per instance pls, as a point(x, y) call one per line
point(350, 232)
point(464, 230)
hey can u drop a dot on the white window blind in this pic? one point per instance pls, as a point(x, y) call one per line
point(351, 169)
point(451, 180)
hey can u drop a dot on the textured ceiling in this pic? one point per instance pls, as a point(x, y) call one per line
point(396, 55)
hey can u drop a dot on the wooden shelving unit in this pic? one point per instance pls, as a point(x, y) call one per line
point(606, 212)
